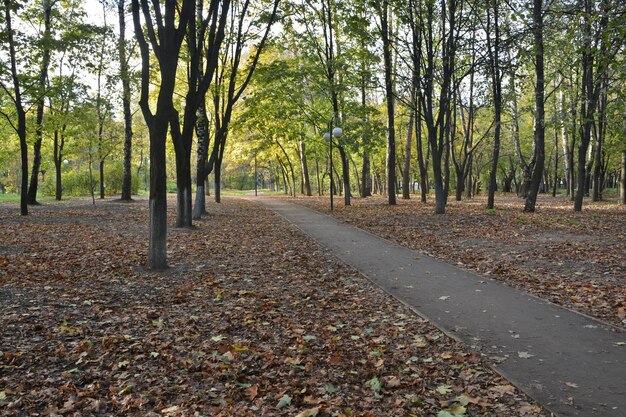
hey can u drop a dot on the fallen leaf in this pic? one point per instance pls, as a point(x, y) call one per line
point(284, 401)
point(312, 412)
point(252, 392)
point(443, 389)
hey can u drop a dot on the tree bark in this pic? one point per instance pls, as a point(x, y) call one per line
point(496, 80)
point(622, 181)
point(539, 137)
point(406, 172)
point(126, 95)
point(20, 128)
point(43, 77)
point(601, 129)
point(390, 99)
point(306, 183)
point(202, 135)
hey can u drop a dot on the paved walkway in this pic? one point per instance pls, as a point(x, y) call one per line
point(570, 363)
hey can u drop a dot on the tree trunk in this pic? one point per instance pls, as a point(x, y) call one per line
point(202, 134)
point(126, 96)
point(539, 137)
point(622, 180)
point(598, 160)
point(20, 129)
point(101, 168)
point(440, 198)
point(345, 168)
point(567, 159)
point(366, 176)
point(58, 161)
point(390, 99)
point(317, 175)
point(496, 79)
point(406, 172)
point(157, 247)
point(43, 77)
point(420, 156)
point(305, 169)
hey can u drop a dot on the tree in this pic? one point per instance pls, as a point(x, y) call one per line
point(601, 41)
point(493, 50)
point(539, 136)
point(47, 6)
point(385, 33)
point(15, 94)
point(165, 39)
point(231, 81)
point(126, 95)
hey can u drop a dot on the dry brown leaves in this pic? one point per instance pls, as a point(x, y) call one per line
point(572, 259)
point(252, 319)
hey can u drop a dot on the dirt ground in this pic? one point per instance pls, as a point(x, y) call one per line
point(252, 319)
point(573, 259)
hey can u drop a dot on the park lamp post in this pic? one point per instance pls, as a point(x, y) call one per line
point(328, 136)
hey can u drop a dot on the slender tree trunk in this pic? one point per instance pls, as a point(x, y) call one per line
point(101, 168)
point(539, 137)
point(366, 176)
point(556, 161)
point(622, 180)
point(317, 175)
point(20, 129)
point(202, 135)
point(390, 99)
point(420, 155)
point(494, 54)
point(58, 161)
point(345, 168)
point(567, 161)
point(598, 160)
point(406, 172)
point(43, 77)
point(305, 169)
point(126, 95)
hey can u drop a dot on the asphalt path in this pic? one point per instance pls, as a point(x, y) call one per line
point(570, 363)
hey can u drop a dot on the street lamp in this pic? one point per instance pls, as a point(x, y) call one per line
point(328, 136)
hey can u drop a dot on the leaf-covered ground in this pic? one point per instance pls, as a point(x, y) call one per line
point(253, 319)
point(572, 259)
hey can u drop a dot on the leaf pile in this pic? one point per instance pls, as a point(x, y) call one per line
point(572, 259)
point(252, 319)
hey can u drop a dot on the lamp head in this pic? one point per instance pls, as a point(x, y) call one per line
point(327, 136)
point(337, 132)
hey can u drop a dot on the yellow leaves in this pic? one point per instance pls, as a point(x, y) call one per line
point(446, 355)
point(71, 331)
point(312, 412)
point(503, 389)
point(219, 294)
point(443, 389)
point(170, 410)
point(419, 342)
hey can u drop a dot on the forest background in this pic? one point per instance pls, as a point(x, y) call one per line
point(461, 98)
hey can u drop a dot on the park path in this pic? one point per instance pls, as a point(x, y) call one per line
point(572, 364)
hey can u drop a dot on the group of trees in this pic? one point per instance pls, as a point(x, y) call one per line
point(59, 94)
point(459, 96)
point(485, 95)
